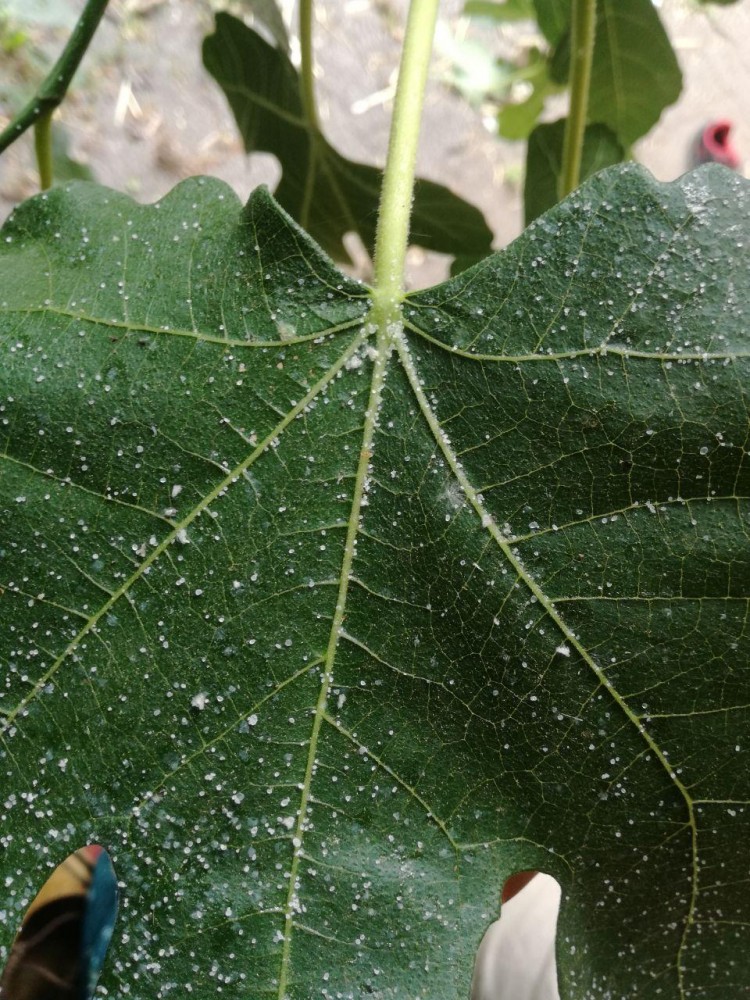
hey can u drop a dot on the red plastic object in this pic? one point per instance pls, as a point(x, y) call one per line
point(714, 145)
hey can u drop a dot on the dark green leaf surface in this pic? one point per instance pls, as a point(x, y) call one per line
point(505, 10)
point(325, 192)
point(544, 162)
point(634, 72)
point(553, 18)
point(324, 635)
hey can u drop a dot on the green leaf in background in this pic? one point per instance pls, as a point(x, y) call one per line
point(325, 192)
point(12, 38)
point(544, 162)
point(553, 18)
point(65, 168)
point(324, 630)
point(515, 121)
point(507, 10)
point(474, 71)
point(634, 73)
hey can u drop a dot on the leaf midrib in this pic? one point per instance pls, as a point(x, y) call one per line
point(548, 606)
point(387, 339)
point(383, 348)
point(207, 338)
point(595, 351)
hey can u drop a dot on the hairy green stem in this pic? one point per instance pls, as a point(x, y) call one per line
point(307, 75)
point(55, 85)
point(583, 28)
point(43, 149)
point(398, 180)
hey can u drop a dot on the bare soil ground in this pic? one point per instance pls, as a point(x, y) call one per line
point(143, 113)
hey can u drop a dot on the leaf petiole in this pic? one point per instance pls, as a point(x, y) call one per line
point(398, 180)
point(583, 30)
point(43, 149)
point(307, 73)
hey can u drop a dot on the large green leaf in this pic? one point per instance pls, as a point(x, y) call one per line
point(325, 192)
point(325, 629)
point(634, 72)
point(544, 162)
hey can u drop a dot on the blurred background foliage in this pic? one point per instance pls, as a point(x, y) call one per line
point(143, 112)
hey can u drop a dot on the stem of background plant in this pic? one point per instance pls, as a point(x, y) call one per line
point(583, 28)
point(43, 149)
point(55, 85)
point(307, 75)
point(398, 180)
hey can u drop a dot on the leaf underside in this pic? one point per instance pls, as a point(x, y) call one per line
point(324, 635)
